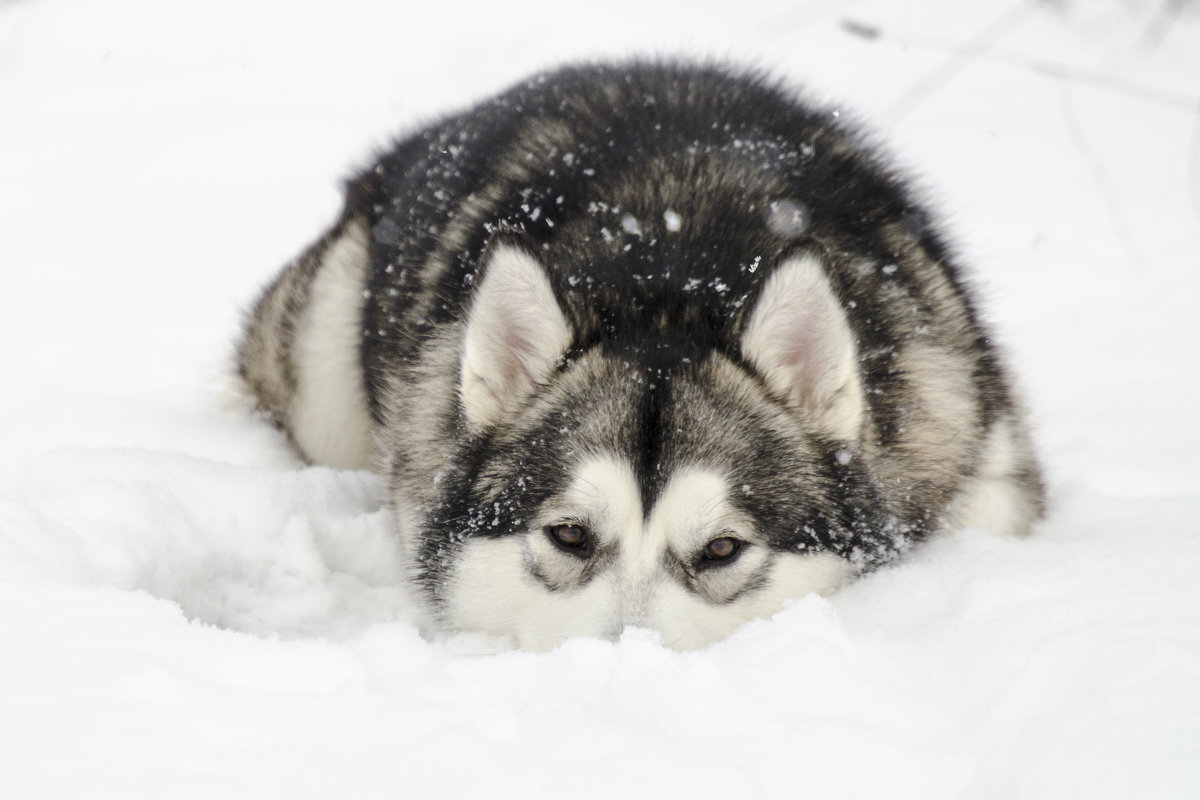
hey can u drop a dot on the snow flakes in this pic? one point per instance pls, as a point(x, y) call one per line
point(387, 232)
point(673, 220)
point(787, 218)
point(630, 225)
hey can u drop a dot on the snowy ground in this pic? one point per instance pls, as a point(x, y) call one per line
point(185, 611)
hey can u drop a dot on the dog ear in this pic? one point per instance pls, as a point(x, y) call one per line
point(515, 334)
point(799, 340)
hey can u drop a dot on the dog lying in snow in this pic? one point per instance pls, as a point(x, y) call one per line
point(642, 344)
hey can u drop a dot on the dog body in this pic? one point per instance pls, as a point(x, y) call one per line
point(644, 344)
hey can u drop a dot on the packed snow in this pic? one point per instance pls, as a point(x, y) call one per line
point(188, 611)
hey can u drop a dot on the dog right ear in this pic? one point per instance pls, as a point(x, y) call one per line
point(515, 334)
point(799, 339)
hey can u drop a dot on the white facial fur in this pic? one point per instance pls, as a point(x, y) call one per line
point(642, 572)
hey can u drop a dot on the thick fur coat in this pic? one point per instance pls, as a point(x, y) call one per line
point(643, 344)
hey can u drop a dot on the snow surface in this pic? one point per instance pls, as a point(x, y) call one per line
point(185, 611)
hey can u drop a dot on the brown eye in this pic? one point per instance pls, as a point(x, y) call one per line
point(573, 538)
point(722, 549)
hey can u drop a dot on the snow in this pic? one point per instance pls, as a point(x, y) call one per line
point(186, 611)
point(787, 218)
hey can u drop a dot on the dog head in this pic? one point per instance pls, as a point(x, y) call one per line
point(612, 477)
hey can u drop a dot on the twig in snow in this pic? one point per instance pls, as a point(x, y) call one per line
point(1168, 12)
point(983, 48)
point(961, 56)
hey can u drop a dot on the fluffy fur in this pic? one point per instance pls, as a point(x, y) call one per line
point(674, 308)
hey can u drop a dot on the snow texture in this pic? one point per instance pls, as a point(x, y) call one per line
point(186, 611)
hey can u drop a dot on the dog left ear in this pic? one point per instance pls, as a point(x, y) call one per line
point(799, 340)
point(515, 333)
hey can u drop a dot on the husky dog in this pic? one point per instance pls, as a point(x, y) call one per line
point(642, 344)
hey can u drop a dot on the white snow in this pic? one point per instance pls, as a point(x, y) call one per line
point(186, 611)
point(787, 218)
point(630, 225)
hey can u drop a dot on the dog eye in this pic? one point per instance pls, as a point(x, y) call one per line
point(722, 550)
point(572, 538)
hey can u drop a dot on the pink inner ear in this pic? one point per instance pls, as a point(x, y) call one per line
point(802, 364)
point(803, 328)
point(796, 353)
point(519, 349)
